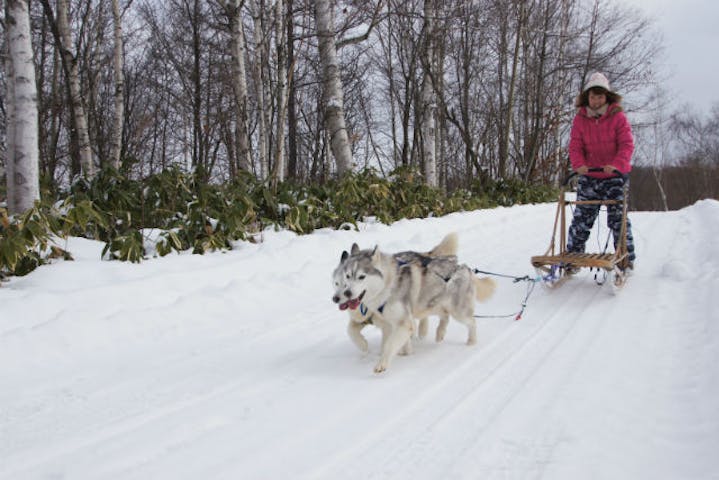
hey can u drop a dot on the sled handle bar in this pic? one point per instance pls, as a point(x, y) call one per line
point(617, 173)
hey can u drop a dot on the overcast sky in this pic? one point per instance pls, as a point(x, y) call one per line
point(691, 36)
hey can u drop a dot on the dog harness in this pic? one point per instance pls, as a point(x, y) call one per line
point(363, 310)
point(424, 262)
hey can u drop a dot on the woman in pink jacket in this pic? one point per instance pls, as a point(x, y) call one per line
point(601, 138)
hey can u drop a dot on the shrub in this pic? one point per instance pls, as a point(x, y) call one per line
point(194, 215)
point(28, 240)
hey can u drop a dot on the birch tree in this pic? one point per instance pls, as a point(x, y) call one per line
point(118, 65)
point(23, 178)
point(261, 79)
point(429, 103)
point(333, 94)
point(233, 9)
point(63, 39)
point(9, 109)
point(282, 73)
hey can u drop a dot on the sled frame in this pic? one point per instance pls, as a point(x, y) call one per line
point(556, 260)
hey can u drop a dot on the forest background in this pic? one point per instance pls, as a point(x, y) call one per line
point(402, 108)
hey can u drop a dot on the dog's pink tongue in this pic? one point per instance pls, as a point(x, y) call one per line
point(351, 304)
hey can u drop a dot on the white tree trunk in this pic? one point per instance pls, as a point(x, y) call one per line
point(429, 102)
point(333, 93)
point(260, 81)
point(280, 39)
point(23, 170)
point(10, 116)
point(239, 82)
point(240, 86)
point(118, 63)
point(78, 109)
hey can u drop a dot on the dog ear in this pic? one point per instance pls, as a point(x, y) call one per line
point(375, 252)
point(355, 249)
point(344, 256)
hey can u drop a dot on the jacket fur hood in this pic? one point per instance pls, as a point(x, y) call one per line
point(582, 100)
point(597, 80)
point(612, 109)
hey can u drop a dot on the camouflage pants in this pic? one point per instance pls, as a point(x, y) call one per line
point(590, 188)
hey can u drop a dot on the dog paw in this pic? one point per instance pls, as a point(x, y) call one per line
point(380, 367)
point(471, 341)
point(439, 337)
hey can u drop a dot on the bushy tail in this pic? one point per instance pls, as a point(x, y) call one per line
point(448, 246)
point(483, 288)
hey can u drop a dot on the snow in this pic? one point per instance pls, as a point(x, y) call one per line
point(237, 365)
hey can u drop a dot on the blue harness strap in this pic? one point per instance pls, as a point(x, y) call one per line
point(363, 309)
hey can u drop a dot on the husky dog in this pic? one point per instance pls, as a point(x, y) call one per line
point(401, 292)
point(361, 317)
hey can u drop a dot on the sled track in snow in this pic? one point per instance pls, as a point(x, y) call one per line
point(146, 407)
point(487, 381)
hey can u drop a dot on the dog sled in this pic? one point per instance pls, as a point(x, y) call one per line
point(557, 264)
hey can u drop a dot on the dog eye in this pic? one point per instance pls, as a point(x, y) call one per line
point(361, 277)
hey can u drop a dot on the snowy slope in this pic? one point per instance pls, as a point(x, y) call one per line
point(237, 365)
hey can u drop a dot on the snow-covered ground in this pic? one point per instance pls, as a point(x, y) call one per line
point(237, 365)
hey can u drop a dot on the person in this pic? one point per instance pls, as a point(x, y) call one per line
point(601, 139)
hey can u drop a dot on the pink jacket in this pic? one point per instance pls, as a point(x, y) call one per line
point(596, 142)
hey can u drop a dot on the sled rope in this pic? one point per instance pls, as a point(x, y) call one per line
point(516, 279)
point(531, 282)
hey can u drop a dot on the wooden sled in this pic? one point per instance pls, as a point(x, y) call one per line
point(557, 264)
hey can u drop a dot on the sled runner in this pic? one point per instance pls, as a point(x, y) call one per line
point(557, 264)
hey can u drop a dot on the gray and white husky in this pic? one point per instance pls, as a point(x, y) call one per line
point(400, 292)
point(361, 317)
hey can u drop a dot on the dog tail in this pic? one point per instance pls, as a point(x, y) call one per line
point(483, 288)
point(447, 247)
